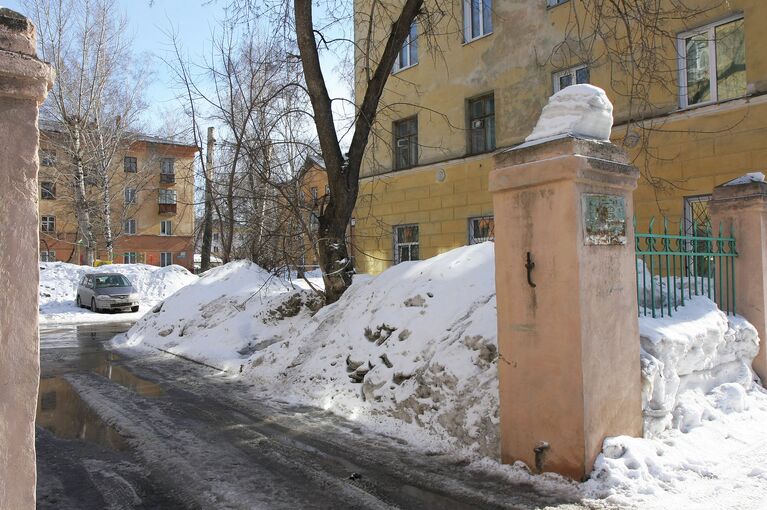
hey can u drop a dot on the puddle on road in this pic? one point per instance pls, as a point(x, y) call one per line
point(124, 377)
point(61, 411)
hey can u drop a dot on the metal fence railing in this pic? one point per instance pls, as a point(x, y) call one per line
point(673, 268)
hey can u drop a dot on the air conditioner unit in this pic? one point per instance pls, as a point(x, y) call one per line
point(476, 124)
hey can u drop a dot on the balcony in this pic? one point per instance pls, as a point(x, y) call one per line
point(167, 178)
point(169, 209)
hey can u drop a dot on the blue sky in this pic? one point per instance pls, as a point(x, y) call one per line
point(192, 20)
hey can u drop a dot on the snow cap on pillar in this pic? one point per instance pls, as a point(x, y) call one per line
point(582, 111)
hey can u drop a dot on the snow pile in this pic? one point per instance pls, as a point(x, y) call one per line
point(229, 313)
point(59, 280)
point(694, 352)
point(746, 179)
point(408, 350)
point(412, 353)
point(578, 110)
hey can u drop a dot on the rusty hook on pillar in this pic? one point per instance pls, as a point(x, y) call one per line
point(530, 266)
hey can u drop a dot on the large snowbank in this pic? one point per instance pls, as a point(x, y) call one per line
point(412, 352)
point(59, 280)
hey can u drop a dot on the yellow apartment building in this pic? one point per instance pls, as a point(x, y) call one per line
point(151, 196)
point(454, 99)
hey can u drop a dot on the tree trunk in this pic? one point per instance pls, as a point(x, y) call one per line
point(81, 203)
point(207, 222)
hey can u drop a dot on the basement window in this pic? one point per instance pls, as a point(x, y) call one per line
point(481, 229)
point(405, 243)
point(573, 76)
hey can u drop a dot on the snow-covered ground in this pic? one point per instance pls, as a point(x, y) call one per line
point(58, 290)
point(412, 353)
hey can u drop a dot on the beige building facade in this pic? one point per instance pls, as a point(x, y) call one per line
point(477, 87)
point(151, 192)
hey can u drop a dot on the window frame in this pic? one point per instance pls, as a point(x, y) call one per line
point(163, 169)
point(130, 257)
point(472, 240)
point(51, 192)
point(410, 138)
point(166, 231)
point(470, 121)
point(397, 244)
point(164, 255)
point(130, 195)
point(48, 224)
point(130, 164)
point(467, 21)
point(127, 226)
point(47, 157)
point(572, 71)
point(411, 41)
point(166, 193)
point(709, 28)
point(50, 256)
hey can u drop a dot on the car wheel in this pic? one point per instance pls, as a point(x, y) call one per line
point(134, 308)
point(93, 305)
point(77, 302)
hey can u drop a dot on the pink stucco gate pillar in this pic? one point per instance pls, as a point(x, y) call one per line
point(24, 82)
point(743, 207)
point(568, 333)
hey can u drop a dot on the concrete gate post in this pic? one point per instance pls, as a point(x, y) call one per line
point(24, 83)
point(744, 208)
point(568, 332)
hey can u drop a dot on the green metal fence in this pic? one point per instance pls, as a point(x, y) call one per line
point(672, 268)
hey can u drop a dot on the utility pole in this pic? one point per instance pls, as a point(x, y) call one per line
point(207, 222)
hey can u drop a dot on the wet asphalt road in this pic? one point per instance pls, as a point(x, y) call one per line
point(148, 430)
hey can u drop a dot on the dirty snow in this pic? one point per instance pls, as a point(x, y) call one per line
point(578, 110)
point(412, 353)
point(59, 280)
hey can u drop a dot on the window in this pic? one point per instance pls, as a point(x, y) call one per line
point(48, 190)
point(553, 3)
point(130, 226)
point(408, 55)
point(481, 229)
point(406, 143)
point(405, 243)
point(215, 237)
point(477, 19)
point(482, 124)
point(327, 189)
point(48, 256)
point(129, 257)
point(47, 157)
point(166, 258)
point(165, 228)
point(572, 76)
point(47, 223)
point(167, 196)
point(130, 195)
point(166, 166)
point(314, 193)
point(712, 63)
point(130, 164)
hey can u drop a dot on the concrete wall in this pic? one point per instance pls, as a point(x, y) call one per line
point(24, 82)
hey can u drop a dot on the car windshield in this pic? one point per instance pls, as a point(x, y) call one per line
point(111, 280)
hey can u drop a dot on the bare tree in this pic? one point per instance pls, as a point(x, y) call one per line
point(90, 104)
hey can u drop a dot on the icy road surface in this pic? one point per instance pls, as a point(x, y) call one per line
point(154, 431)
